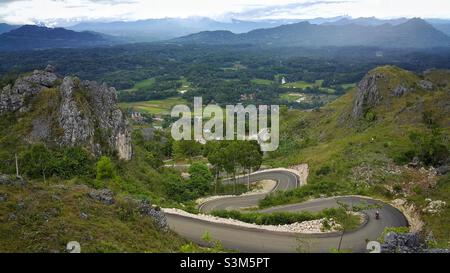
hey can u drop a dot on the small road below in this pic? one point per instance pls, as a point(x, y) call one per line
point(259, 241)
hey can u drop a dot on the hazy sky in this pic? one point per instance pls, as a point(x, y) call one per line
point(53, 12)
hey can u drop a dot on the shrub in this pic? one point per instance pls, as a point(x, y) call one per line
point(430, 148)
point(200, 179)
point(105, 169)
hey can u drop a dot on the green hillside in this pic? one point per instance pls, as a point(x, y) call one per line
point(368, 155)
point(43, 218)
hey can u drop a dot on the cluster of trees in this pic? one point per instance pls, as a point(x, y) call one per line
point(199, 183)
point(429, 147)
point(38, 161)
point(230, 157)
point(233, 156)
point(156, 145)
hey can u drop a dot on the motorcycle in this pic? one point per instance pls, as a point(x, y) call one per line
point(377, 215)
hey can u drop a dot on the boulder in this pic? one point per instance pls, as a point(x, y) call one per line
point(401, 243)
point(12, 180)
point(407, 243)
point(147, 209)
point(400, 91)
point(104, 196)
point(427, 85)
point(442, 170)
point(13, 98)
point(435, 207)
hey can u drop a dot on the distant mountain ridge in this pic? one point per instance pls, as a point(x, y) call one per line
point(30, 37)
point(414, 33)
point(6, 28)
point(168, 28)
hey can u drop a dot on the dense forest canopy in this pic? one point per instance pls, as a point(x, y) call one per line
point(222, 74)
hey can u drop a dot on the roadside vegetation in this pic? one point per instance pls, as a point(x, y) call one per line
point(339, 215)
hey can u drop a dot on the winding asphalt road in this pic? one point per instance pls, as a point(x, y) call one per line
point(256, 241)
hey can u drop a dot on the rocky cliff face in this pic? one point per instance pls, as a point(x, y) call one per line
point(85, 113)
point(383, 84)
point(13, 98)
point(368, 94)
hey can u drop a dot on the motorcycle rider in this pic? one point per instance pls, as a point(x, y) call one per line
point(377, 215)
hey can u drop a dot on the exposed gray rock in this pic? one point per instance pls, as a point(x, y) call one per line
point(407, 243)
point(157, 214)
point(443, 169)
point(415, 163)
point(100, 116)
point(86, 113)
point(103, 100)
point(12, 217)
point(12, 180)
point(367, 94)
point(427, 85)
point(84, 216)
point(13, 98)
point(50, 68)
point(75, 124)
point(434, 207)
point(3, 197)
point(105, 196)
point(400, 91)
point(437, 250)
point(21, 205)
point(401, 243)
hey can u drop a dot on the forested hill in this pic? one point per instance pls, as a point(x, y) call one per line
point(30, 37)
point(415, 33)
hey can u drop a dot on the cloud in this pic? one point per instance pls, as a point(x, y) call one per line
point(281, 11)
point(66, 12)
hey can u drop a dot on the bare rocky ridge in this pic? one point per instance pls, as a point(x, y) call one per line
point(368, 94)
point(87, 112)
point(385, 83)
point(13, 98)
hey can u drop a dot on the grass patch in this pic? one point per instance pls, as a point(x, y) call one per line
point(44, 218)
point(262, 81)
point(156, 107)
point(303, 84)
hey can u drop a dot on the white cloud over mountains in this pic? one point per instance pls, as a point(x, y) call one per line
point(63, 12)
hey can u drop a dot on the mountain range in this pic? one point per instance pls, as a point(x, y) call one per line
point(414, 33)
point(6, 28)
point(339, 31)
point(30, 37)
point(168, 28)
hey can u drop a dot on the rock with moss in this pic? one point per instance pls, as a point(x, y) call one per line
point(104, 196)
point(15, 97)
point(407, 243)
point(383, 84)
point(10, 180)
point(69, 112)
point(368, 94)
point(147, 209)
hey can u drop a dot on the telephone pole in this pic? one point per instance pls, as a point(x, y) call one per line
point(17, 165)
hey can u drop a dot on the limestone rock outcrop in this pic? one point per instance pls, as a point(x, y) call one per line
point(86, 112)
point(368, 94)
